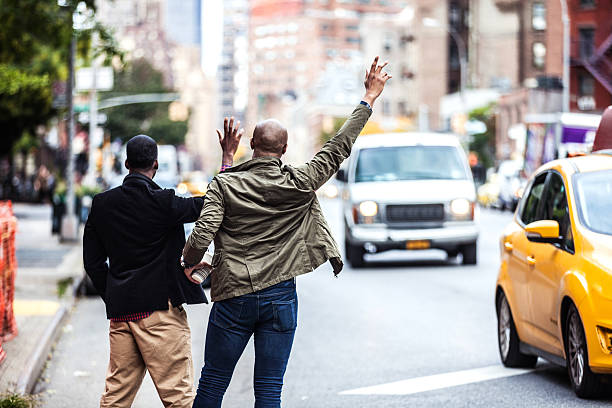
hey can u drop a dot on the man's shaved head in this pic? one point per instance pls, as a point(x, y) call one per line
point(269, 139)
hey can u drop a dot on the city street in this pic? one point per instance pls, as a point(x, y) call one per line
point(403, 318)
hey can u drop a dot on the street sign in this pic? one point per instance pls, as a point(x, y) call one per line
point(104, 79)
point(59, 94)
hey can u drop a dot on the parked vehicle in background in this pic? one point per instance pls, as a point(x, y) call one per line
point(554, 288)
point(408, 191)
point(510, 183)
point(488, 193)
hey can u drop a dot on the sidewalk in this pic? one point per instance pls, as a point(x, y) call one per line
point(45, 269)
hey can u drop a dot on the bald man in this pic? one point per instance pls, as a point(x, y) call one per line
point(268, 228)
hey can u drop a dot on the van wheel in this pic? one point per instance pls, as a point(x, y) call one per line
point(508, 339)
point(585, 383)
point(469, 254)
point(354, 254)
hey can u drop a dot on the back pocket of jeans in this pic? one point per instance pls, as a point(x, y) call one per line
point(228, 313)
point(285, 315)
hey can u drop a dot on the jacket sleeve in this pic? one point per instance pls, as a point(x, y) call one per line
point(184, 210)
point(94, 254)
point(328, 160)
point(207, 225)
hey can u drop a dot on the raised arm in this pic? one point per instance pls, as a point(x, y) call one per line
point(327, 161)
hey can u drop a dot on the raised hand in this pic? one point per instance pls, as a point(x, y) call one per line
point(375, 80)
point(230, 140)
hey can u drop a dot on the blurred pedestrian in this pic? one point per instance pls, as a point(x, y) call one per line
point(268, 228)
point(138, 226)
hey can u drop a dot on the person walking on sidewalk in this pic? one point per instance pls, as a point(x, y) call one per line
point(268, 228)
point(138, 226)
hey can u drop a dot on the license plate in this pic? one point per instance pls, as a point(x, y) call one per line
point(418, 244)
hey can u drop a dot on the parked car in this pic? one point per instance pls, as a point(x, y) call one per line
point(554, 289)
point(510, 182)
point(408, 191)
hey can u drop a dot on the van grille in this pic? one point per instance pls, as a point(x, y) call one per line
point(415, 212)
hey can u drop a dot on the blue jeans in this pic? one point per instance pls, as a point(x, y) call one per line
point(271, 316)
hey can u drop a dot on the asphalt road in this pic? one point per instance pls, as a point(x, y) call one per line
point(412, 318)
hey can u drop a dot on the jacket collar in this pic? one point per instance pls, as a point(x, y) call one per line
point(137, 178)
point(257, 162)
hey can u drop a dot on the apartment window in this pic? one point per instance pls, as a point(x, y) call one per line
point(587, 42)
point(586, 85)
point(587, 3)
point(538, 16)
point(539, 55)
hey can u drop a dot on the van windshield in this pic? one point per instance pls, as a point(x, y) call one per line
point(410, 163)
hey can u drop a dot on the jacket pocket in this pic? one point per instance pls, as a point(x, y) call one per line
point(217, 258)
point(285, 315)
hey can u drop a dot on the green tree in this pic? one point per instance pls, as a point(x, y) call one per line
point(35, 38)
point(126, 121)
point(484, 143)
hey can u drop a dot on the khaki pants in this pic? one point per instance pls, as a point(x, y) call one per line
point(161, 344)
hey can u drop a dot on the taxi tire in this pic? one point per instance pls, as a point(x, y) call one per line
point(514, 359)
point(591, 385)
point(470, 254)
point(354, 254)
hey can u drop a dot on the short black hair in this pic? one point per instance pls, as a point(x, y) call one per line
point(141, 152)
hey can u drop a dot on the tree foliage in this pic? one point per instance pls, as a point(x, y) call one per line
point(124, 122)
point(484, 143)
point(35, 38)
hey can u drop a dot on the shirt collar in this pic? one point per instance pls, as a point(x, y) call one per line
point(137, 178)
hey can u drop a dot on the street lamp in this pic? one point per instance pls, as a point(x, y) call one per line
point(566, 58)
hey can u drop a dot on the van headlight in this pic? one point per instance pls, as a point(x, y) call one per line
point(368, 208)
point(366, 212)
point(462, 208)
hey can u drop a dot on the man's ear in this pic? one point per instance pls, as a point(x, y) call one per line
point(284, 149)
point(155, 165)
point(127, 165)
point(252, 143)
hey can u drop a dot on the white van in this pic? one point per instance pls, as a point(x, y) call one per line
point(408, 191)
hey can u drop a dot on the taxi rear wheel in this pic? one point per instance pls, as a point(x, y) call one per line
point(507, 338)
point(585, 383)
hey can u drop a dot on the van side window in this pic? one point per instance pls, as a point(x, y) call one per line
point(529, 212)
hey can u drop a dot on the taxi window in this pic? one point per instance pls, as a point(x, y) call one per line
point(555, 208)
point(532, 201)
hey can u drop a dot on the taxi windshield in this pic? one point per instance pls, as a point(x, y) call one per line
point(594, 191)
point(410, 163)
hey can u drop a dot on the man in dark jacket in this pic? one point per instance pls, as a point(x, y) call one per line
point(268, 228)
point(138, 227)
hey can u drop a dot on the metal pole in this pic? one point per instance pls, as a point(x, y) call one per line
point(93, 115)
point(69, 227)
point(566, 56)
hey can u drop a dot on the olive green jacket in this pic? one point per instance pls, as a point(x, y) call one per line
point(266, 221)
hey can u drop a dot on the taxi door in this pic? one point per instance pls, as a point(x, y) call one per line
point(518, 248)
point(550, 263)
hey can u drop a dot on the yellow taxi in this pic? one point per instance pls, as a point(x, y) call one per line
point(194, 183)
point(554, 289)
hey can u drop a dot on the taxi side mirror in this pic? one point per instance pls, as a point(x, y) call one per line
point(341, 176)
point(544, 231)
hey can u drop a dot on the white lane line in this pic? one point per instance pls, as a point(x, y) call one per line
point(438, 381)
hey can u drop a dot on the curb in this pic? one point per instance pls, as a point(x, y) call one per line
point(29, 376)
point(34, 366)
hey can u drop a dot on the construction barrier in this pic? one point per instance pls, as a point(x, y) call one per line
point(8, 271)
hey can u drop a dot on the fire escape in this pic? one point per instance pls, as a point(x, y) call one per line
point(599, 63)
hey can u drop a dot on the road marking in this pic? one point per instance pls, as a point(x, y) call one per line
point(438, 381)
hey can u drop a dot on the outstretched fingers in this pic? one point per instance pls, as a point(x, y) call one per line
point(380, 67)
point(220, 136)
